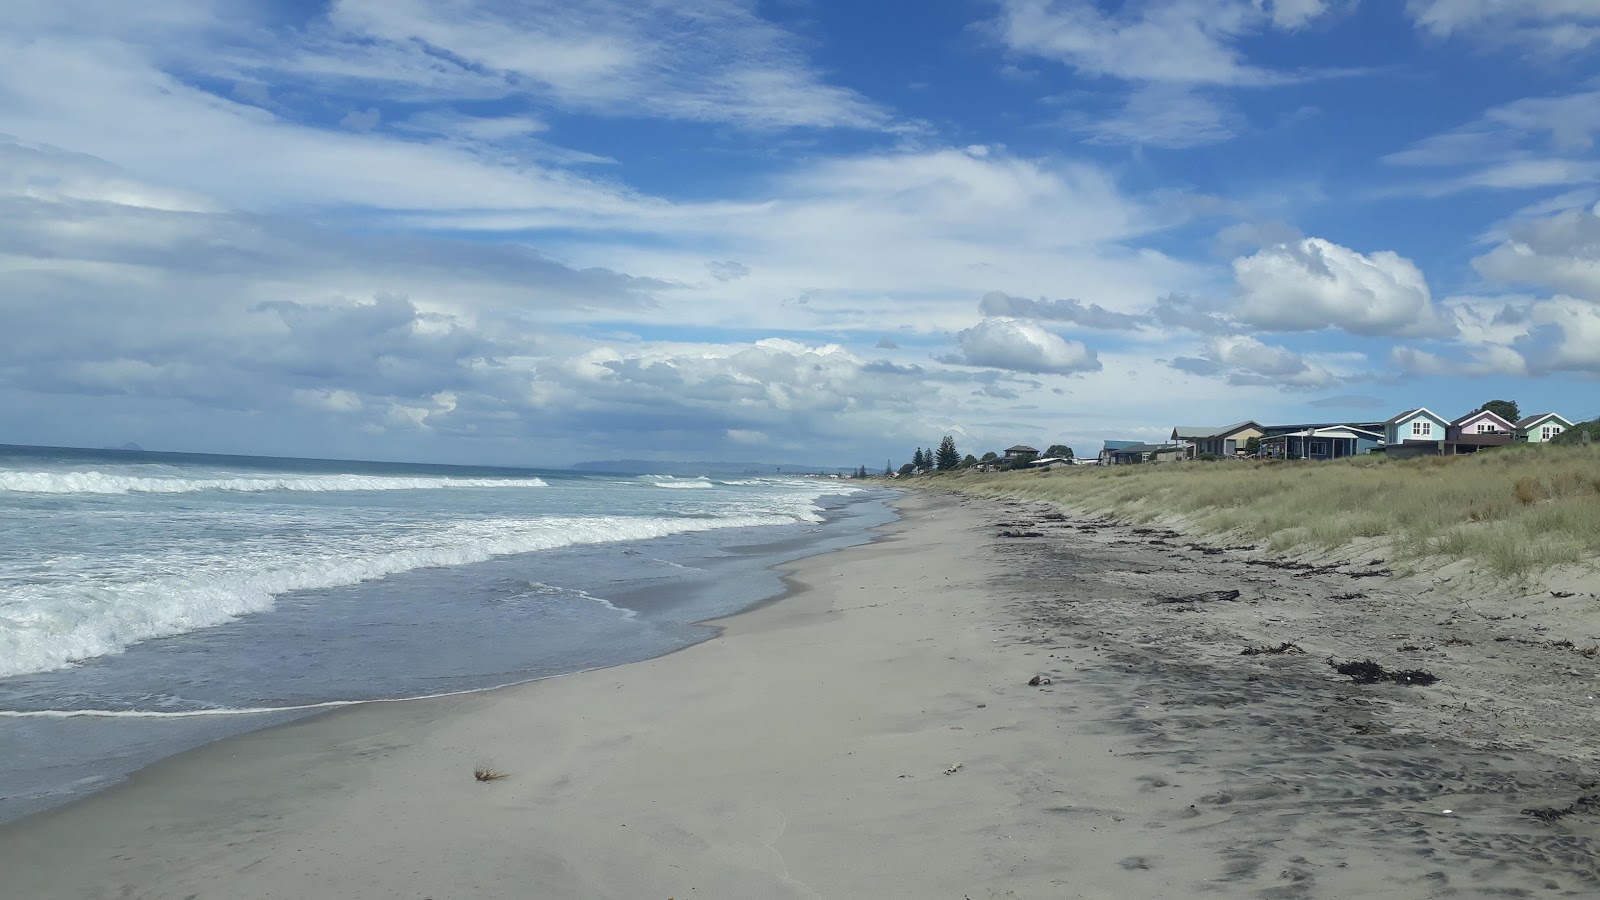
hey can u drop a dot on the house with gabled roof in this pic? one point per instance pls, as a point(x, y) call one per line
point(1418, 424)
point(1479, 422)
point(1326, 442)
point(1108, 452)
point(1227, 440)
point(1540, 428)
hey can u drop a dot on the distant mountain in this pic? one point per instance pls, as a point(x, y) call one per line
point(681, 468)
point(130, 446)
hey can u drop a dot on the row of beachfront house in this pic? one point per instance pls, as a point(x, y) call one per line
point(1414, 432)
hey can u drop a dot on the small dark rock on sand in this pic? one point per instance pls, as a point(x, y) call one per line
point(1038, 680)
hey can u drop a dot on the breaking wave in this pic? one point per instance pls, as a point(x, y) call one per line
point(102, 483)
point(43, 628)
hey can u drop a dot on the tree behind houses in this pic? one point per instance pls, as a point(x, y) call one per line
point(948, 457)
point(1505, 409)
point(1058, 451)
point(916, 460)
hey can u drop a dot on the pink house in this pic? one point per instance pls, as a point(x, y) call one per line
point(1481, 422)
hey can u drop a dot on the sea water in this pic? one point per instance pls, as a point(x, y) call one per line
point(151, 602)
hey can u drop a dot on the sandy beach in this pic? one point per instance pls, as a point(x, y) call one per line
point(874, 734)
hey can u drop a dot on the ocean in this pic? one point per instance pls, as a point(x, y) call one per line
point(152, 602)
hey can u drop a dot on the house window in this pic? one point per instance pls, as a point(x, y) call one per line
point(1549, 431)
point(1319, 448)
point(1421, 428)
point(1485, 427)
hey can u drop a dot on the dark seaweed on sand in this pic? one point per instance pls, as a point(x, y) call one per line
point(1368, 672)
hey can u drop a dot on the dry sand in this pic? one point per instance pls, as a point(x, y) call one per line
point(872, 735)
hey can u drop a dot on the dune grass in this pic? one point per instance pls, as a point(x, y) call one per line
point(1513, 511)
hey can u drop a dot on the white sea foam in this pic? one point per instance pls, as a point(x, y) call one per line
point(669, 481)
point(91, 482)
point(52, 626)
point(249, 710)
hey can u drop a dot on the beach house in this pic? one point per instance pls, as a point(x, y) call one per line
point(1415, 425)
point(1108, 452)
point(1479, 422)
point(1142, 453)
point(1540, 428)
point(1321, 442)
point(1228, 440)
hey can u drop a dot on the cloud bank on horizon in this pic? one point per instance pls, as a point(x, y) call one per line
point(537, 232)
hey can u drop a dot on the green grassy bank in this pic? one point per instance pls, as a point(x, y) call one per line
point(1514, 511)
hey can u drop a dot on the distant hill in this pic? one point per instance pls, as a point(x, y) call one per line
point(130, 446)
point(691, 468)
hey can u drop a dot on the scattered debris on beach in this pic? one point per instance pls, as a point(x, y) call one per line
point(1368, 672)
point(1038, 680)
point(1549, 814)
point(1021, 534)
point(953, 769)
point(1562, 595)
point(1202, 597)
point(486, 774)
point(1285, 647)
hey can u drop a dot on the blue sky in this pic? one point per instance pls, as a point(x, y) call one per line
point(538, 232)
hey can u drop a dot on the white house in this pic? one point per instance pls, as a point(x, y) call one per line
point(1538, 429)
point(1415, 425)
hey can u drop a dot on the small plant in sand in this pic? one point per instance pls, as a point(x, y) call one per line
point(487, 773)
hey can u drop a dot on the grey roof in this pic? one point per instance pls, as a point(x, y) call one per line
point(1190, 432)
point(1532, 420)
point(1149, 448)
point(1476, 413)
point(1021, 448)
point(1411, 413)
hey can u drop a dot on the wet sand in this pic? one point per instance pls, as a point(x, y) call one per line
point(873, 734)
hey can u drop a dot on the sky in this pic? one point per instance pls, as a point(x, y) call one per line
point(534, 233)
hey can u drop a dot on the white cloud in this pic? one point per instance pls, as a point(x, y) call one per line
point(1477, 362)
point(713, 62)
point(1161, 115)
point(1088, 315)
point(1314, 284)
point(1191, 42)
point(1560, 252)
point(1021, 346)
point(1245, 360)
point(1561, 26)
point(1534, 142)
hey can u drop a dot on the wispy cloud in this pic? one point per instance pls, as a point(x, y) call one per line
point(1551, 26)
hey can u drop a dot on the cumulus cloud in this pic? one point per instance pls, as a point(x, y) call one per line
point(1022, 346)
point(1560, 252)
point(1245, 360)
point(1314, 284)
point(1089, 315)
point(1480, 361)
point(1183, 311)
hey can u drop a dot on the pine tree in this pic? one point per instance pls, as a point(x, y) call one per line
point(916, 460)
point(948, 457)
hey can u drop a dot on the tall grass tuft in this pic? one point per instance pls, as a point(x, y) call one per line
point(1513, 511)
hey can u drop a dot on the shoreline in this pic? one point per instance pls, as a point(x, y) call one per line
point(42, 736)
point(872, 734)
